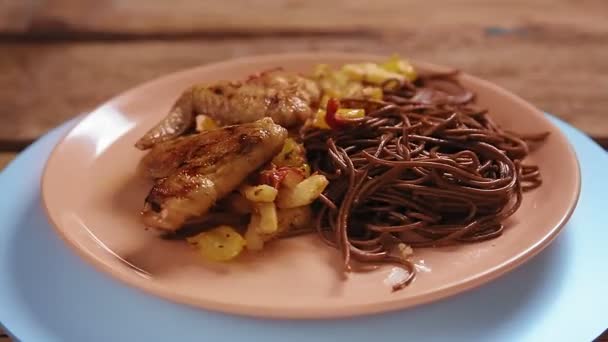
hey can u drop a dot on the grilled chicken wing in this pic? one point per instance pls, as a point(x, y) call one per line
point(198, 170)
point(286, 98)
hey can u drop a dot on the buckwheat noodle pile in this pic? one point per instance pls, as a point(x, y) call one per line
point(424, 167)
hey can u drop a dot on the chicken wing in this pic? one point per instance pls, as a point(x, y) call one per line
point(201, 169)
point(286, 98)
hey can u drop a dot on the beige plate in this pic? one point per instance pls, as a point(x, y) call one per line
point(93, 199)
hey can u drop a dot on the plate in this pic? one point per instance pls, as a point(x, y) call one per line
point(536, 302)
point(93, 198)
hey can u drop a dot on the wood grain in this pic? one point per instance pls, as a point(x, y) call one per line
point(142, 17)
point(4, 337)
point(558, 69)
point(17, 16)
point(5, 158)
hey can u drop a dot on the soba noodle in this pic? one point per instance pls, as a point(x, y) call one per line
point(424, 168)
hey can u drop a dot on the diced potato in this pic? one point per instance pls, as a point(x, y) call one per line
point(340, 79)
point(268, 222)
point(304, 193)
point(294, 218)
point(370, 72)
point(352, 89)
point(252, 236)
point(259, 193)
point(205, 123)
point(328, 77)
point(400, 66)
point(263, 226)
point(221, 243)
point(347, 81)
point(374, 93)
point(330, 89)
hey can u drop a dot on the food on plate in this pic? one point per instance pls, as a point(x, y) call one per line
point(284, 97)
point(220, 244)
point(203, 168)
point(377, 158)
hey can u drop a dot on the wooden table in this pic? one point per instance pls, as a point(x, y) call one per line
point(59, 58)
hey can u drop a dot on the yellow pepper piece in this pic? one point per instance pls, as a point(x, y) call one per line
point(400, 66)
point(349, 114)
point(319, 120)
point(221, 243)
point(344, 113)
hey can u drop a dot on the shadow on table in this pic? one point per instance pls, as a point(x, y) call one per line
point(77, 303)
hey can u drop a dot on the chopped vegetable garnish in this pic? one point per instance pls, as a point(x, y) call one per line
point(400, 66)
point(304, 193)
point(292, 154)
point(335, 117)
point(268, 218)
point(276, 177)
point(222, 243)
point(341, 116)
point(339, 84)
point(373, 93)
point(350, 114)
point(319, 119)
point(259, 193)
point(252, 236)
point(370, 72)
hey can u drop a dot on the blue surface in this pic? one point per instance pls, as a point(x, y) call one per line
point(48, 294)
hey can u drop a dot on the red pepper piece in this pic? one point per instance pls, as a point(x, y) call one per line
point(331, 113)
point(274, 177)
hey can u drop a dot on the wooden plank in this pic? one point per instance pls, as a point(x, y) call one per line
point(3, 336)
point(192, 16)
point(603, 337)
point(16, 15)
point(556, 68)
point(5, 159)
